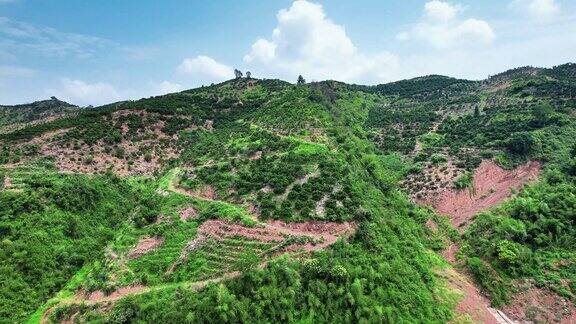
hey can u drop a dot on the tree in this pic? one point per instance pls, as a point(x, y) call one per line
point(248, 74)
point(237, 73)
point(301, 80)
point(521, 143)
point(541, 114)
point(476, 111)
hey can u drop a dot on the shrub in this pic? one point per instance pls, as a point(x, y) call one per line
point(464, 181)
point(521, 143)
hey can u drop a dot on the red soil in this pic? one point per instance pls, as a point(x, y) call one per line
point(323, 233)
point(206, 192)
point(540, 306)
point(100, 296)
point(491, 186)
point(221, 229)
point(188, 213)
point(277, 231)
point(473, 303)
point(450, 253)
point(432, 226)
point(144, 246)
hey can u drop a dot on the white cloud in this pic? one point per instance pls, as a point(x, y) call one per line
point(205, 69)
point(8, 71)
point(441, 11)
point(442, 28)
point(169, 87)
point(262, 50)
point(19, 37)
point(306, 42)
point(83, 93)
point(541, 10)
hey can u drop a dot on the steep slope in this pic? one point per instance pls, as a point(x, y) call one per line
point(521, 120)
point(278, 202)
point(250, 152)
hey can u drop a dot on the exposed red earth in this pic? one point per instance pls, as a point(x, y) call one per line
point(491, 185)
point(540, 306)
point(101, 296)
point(323, 233)
point(188, 213)
point(473, 304)
point(145, 245)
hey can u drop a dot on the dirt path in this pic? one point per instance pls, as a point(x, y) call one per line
point(99, 297)
point(323, 233)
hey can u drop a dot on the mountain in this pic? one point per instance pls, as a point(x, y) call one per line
point(19, 116)
point(430, 199)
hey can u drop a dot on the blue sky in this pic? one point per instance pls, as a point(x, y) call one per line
point(97, 51)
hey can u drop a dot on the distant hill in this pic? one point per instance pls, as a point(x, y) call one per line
point(37, 112)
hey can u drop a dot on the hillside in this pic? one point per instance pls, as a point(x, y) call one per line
point(20, 116)
point(259, 200)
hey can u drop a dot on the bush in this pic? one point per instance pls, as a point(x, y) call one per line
point(521, 143)
point(489, 280)
point(464, 181)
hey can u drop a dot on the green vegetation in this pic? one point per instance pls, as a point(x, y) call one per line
point(13, 117)
point(52, 226)
point(531, 236)
point(248, 151)
point(464, 181)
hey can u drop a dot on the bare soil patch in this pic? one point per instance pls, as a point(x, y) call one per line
point(540, 305)
point(300, 181)
point(7, 182)
point(100, 296)
point(432, 180)
point(473, 303)
point(145, 245)
point(450, 253)
point(491, 185)
point(322, 234)
point(141, 151)
point(205, 192)
point(188, 213)
point(221, 229)
point(256, 156)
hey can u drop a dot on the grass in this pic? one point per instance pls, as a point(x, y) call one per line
point(66, 293)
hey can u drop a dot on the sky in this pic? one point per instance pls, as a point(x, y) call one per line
point(101, 51)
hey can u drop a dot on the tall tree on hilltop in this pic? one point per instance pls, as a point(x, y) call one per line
point(301, 80)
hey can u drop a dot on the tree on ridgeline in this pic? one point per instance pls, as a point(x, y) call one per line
point(301, 80)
